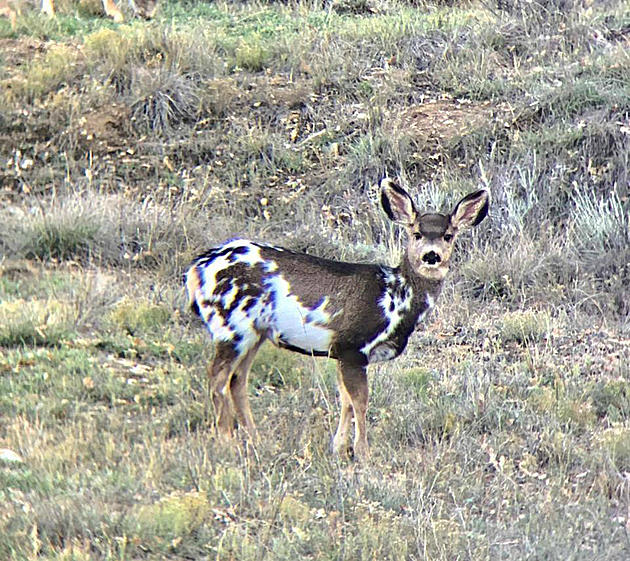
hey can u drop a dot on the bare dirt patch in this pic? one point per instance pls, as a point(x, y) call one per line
point(105, 129)
point(442, 121)
point(18, 52)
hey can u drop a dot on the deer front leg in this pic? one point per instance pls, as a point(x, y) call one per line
point(113, 11)
point(354, 382)
point(8, 12)
point(48, 7)
point(345, 416)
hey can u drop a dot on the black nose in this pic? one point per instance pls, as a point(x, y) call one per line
point(431, 258)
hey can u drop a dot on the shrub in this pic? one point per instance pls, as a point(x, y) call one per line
point(162, 100)
point(61, 237)
point(139, 317)
point(59, 66)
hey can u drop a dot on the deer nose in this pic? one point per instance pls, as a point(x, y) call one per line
point(431, 258)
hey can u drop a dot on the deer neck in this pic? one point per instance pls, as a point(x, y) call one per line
point(425, 291)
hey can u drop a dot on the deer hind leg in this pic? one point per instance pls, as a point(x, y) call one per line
point(354, 383)
point(238, 391)
point(9, 13)
point(220, 372)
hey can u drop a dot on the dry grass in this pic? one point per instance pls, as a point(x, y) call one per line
point(504, 430)
point(494, 436)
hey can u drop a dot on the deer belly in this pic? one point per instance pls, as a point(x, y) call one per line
point(295, 325)
point(294, 332)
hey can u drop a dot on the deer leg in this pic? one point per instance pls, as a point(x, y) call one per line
point(345, 416)
point(48, 7)
point(113, 11)
point(354, 378)
point(219, 373)
point(11, 14)
point(238, 391)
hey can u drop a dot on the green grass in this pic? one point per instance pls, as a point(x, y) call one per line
point(462, 448)
point(34, 322)
point(49, 240)
point(525, 327)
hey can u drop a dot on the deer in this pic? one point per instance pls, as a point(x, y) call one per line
point(356, 313)
point(145, 8)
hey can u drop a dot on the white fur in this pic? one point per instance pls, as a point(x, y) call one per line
point(373, 350)
point(382, 353)
point(209, 269)
point(218, 328)
point(296, 324)
point(242, 322)
point(238, 322)
point(276, 312)
point(230, 295)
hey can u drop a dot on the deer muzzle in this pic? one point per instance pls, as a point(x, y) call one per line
point(431, 258)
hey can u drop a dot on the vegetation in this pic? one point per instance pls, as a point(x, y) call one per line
point(504, 430)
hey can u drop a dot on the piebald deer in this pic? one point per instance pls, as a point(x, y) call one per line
point(247, 292)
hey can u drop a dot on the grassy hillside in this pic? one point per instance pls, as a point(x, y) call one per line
point(504, 430)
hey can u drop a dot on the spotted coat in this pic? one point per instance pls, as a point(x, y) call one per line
point(245, 291)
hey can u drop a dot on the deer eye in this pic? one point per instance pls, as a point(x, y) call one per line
point(448, 237)
point(417, 235)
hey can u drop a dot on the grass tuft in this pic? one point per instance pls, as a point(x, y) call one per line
point(252, 54)
point(175, 516)
point(611, 400)
point(56, 69)
point(139, 317)
point(50, 238)
point(162, 101)
point(525, 327)
point(40, 323)
point(615, 446)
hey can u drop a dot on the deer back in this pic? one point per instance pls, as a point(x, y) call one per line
point(243, 290)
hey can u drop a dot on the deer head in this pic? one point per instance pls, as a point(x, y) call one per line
point(431, 235)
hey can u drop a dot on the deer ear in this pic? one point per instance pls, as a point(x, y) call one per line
point(397, 203)
point(471, 210)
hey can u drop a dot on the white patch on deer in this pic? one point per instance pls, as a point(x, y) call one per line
point(229, 296)
point(217, 327)
point(292, 323)
point(7, 455)
point(202, 282)
point(429, 301)
point(394, 303)
point(382, 353)
point(432, 248)
point(250, 257)
point(209, 267)
point(243, 323)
